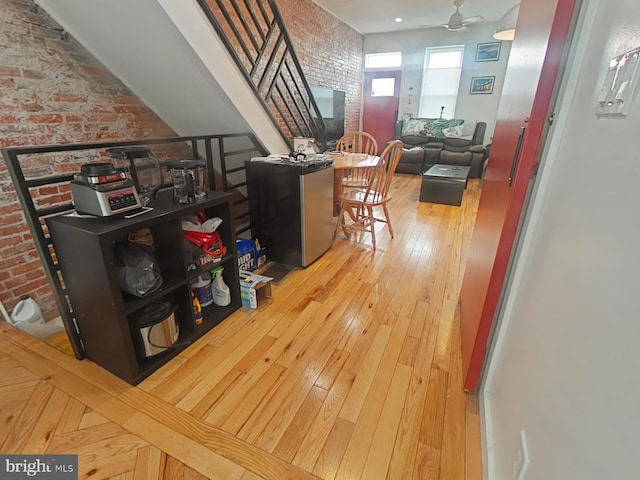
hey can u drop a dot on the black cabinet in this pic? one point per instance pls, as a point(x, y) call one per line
point(86, 252)
point(292, 209)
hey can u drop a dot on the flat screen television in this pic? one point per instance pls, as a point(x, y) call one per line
point(331, 104)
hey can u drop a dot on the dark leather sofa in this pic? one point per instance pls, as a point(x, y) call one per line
point(421, 152)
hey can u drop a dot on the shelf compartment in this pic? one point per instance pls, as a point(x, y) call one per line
point(193, 274)
point(133, 303)
point(194, 255)
point(214, 314)
point(180, 299)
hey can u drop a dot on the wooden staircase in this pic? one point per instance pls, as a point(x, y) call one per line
point(254, 33)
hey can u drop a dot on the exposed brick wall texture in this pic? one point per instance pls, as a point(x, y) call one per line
point(51, 91)
point(329, 51)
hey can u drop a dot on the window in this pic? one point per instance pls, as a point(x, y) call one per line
point(440, 81)
point(383, 60)
point(383, 87)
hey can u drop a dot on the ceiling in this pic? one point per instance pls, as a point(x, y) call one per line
point(377, 16)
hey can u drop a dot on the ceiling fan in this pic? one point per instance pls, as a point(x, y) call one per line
point(457, 23)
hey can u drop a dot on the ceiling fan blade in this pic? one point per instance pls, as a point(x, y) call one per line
point(457, 23)
point(473, 19)
point(445, 25)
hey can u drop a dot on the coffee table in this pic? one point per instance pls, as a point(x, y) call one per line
point(444, 184)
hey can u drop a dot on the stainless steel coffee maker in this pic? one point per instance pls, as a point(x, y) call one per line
point(141, 167)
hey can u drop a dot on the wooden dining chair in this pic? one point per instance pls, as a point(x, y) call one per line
point(357, 143)
point(358, 205)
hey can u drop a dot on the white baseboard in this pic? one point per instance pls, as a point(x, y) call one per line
point(486, 433)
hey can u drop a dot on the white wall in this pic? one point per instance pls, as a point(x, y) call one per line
point(565, 364)
point(170, 58)
point(412, 44)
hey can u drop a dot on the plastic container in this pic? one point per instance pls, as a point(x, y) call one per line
point(221, 292)
point(197, 309)
point(188, 180)
point(27, 310)
point(202, 289)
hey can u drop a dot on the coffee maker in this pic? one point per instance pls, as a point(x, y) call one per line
point(142, 168)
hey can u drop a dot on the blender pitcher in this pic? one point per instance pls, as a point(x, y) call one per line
point(188, 180)
point(143, 168)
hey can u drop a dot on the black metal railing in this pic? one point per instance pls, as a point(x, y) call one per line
point(42, 174)
point(254, 33)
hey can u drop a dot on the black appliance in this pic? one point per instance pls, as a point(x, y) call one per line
point(99, 189)
point(291, 208)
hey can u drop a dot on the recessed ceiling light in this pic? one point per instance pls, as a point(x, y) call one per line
point(398, 19)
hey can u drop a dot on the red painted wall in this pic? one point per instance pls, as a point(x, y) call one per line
point(532, 73)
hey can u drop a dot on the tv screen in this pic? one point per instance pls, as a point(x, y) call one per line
point(331, 104)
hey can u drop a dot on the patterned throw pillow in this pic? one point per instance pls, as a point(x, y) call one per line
point(428, 127)
point(414, 126)
point(436, 126)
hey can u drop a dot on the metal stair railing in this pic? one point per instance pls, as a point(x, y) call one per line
point(42, 174)
point(254, 33)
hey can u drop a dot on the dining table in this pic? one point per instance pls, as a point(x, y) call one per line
point(343, 162)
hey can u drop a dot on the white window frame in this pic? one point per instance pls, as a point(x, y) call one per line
point(450, 106)
point(395, 63)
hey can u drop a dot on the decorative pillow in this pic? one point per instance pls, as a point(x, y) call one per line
point(414, 126)
point(453, 132)
point(469, 127)
point(436, 126)
point(429, 127)
point(466, 130)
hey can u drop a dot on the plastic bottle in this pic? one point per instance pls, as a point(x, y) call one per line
point(202, 289)
point(197, 309)
point(221, 292)
point(26, 310)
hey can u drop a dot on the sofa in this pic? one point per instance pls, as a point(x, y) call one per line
point(428, 141)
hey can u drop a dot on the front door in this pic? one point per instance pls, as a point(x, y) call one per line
point(530, 81)
point(380, 105)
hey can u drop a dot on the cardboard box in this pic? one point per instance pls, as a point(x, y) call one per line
point(254, 289)
point(250, 255)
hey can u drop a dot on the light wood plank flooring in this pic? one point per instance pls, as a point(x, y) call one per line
point(351, 371)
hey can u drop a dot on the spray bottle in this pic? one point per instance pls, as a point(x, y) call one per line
point(221, 292)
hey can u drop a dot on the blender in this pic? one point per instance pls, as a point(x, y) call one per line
point(188, 180)
point(141, 167)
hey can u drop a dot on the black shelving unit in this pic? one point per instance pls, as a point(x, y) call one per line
point(85, 250)
point(224, 156)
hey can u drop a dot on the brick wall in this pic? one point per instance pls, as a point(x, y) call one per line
point(51, 91)
point(329, 51)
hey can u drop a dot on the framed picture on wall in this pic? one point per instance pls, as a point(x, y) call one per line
point(482, 85)
point(488, 52)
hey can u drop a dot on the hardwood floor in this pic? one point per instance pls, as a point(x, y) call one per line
point(351, 371)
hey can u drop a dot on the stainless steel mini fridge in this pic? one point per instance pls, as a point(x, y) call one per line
point(291, 208)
